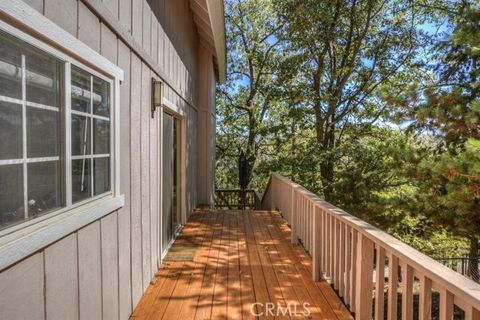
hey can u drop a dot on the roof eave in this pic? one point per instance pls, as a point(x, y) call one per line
point(217, 17)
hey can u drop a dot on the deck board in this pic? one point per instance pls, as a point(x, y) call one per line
point(243, 257)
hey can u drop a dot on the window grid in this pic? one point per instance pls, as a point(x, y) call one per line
point(89, 117)
point(24, 136)
point(65, 124)
point(25, 160)
point(68, 130)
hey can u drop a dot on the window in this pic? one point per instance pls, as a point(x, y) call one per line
point(55, 148)
point(90, 135)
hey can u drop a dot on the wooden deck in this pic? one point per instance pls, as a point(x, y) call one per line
point(243, 258)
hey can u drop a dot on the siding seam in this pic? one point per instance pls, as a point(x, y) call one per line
point(44, 286)
point(78, 274)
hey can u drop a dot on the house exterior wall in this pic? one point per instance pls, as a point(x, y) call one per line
point(102, 269)
point(206, 128)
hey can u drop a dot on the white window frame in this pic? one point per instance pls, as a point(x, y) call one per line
point(24, 238)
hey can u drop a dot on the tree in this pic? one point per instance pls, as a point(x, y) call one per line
point(347, 49)
point(449, 110)
point(452, 185)
point(253, 41)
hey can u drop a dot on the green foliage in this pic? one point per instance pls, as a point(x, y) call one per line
point(362, 105)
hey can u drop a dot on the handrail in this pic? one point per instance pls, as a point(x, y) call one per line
point(343, 247)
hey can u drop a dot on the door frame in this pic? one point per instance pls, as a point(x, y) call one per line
point(173, 110)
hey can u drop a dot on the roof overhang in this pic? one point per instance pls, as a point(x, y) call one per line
point(209, 17)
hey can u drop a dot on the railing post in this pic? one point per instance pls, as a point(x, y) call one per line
point(363, 305)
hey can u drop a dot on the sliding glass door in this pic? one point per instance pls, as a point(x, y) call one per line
point(171, 218)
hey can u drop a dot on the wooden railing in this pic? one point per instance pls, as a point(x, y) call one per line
point(237, 199)
point(362, 261)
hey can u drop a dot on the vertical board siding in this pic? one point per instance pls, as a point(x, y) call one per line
point(125, 14)
point(145, 173)
point(36, 4)
point(88, 27)
point(147, 28)
point(109, 227)
point(135, 179)
point(112, 6)
point(154, 38)
point(154, 194)
point(21, 289)
point(61, 279)
point(63, 13)
point(89, 272)
point(137, 20)
point(108, 45)
point(124, 245)
point(102, 270)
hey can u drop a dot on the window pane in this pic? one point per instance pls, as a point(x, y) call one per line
point(10, 67)
point(81, 180)
point(80, 135)
point(42, 133)
point(101, 97)
point(80, 90)
point(43, 78)
point(102, 175)
point(10, 131)
point(44, 187)
point(11, 194)
point(101, 136)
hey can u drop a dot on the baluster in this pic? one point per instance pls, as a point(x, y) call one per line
point(336, 254)
point(353, 282)
point(310, 229)
point(380, 283)
point(472, 314)
point(292, 207)
point(425, 301)
point(341, 285)
point(302, 218)
point(348, 263)
point(302, 224)
point(305, 220)
point(331, 260)
point(363, 309)
point(316, 246)
point(293, 224)
point(309, 224)
point(446, 304)
point(407, 294)
point(392, 286)
point(324, 242)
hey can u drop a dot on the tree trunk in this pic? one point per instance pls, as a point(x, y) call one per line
point(327, 164)
point(472, 271)
point(251, 153)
